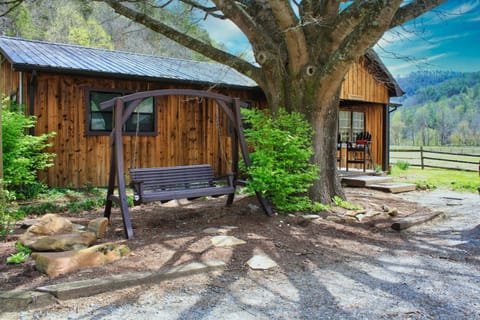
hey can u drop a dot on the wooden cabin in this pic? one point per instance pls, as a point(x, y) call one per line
point(62, 85)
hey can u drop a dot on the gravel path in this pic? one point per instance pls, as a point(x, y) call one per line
point(433, 274)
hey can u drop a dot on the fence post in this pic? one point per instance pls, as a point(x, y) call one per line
point(479, 168)
point(421, 157)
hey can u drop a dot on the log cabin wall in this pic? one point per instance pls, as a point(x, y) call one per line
point(360, 85)
point(362, 92)
point(187, 131)
point(186, 127)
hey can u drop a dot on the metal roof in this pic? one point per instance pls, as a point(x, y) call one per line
point(54, 57)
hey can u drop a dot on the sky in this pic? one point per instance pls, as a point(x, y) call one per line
point(447, 38)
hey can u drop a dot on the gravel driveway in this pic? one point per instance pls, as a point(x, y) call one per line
point(433, 274)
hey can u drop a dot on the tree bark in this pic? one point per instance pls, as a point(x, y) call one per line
point(302, 55)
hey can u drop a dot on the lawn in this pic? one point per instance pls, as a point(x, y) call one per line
point(438, 178)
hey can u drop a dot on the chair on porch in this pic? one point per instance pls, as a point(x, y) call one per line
point(359, 151)
point(339, 150)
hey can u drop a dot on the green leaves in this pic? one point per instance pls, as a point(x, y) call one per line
point(23, 154)
point(281, 169)
point(21, 256)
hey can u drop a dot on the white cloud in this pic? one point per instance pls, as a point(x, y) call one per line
point(451, 37)
point(464, 8)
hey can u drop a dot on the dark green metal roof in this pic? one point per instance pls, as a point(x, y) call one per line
point(54, 57)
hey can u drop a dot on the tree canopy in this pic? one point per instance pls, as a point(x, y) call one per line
point(302, 50)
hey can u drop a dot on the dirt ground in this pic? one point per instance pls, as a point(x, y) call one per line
point(172, 234)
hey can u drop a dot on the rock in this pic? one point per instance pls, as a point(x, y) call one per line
point(310, 216)
point(56, 263)
point(98, 226)
point(223, 229)
point(58, 242)
point(261, 262)
point(78, 227)
point(350, 219)
point(334, 218)
point(355, 213)
point(226, 241)
point(50, 224)
point(392, 212)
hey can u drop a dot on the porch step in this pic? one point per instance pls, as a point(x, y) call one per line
point(365, 181)
point(393, 187)
point(378, 183)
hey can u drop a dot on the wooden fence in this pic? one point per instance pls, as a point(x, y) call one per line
point(428, 158)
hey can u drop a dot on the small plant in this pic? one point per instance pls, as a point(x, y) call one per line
point(281, 169)
point(21, 256)
point(345, 204)
point(8, 216)
point(402, 165)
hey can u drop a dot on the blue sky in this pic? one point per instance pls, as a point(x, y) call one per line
point(447, 38)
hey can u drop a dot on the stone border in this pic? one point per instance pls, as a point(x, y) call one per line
point(11, 301)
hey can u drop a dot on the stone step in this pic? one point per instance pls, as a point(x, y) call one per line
point(393, 187)
point(365, 181)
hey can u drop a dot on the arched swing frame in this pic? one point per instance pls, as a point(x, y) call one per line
point(230, 106)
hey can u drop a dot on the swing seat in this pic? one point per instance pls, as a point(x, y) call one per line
point(180, 182)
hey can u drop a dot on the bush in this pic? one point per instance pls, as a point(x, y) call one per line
point(281, 169)
point(23, 154)
point(402, 165)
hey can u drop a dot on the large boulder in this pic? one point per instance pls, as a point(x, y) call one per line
point(58, 242)
point(51, 224)
point(56, 263)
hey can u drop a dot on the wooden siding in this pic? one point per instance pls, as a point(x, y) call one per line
point(360, 85)
point(187, 131)
point(374, 115)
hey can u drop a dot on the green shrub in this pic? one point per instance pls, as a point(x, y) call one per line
point(23, 154)
point(402, 165)
point(8, 216)
point(281, 169)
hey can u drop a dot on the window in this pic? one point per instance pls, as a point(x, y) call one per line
point(100, 122)
point(350, 123)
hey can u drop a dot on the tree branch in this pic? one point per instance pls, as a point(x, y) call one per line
point(187, 41)
point(11, 6)
point(414, 10)
point(236, 13)
point(296, 43)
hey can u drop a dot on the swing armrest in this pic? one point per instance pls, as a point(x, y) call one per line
point(137, 186)
point(228, 177)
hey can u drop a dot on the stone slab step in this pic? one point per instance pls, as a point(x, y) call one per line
point(365, 181)
point(394, 187)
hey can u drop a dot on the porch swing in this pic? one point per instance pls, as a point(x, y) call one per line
point(178, 182)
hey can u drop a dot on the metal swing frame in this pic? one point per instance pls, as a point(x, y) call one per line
point(230, 106)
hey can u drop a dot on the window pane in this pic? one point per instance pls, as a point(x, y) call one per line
point(358, 123)
point(146, 106)
point(101, 121)
point(97, 97)
point(344, 125)
point(145, 123)
point(143, 114)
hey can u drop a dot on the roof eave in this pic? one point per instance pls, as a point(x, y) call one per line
point(29, 67)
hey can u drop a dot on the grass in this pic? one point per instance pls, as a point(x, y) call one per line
point(438, 178)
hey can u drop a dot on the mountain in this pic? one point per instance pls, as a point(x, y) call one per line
point(439, 108)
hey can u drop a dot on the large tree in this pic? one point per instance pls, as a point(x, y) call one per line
point(303, 49)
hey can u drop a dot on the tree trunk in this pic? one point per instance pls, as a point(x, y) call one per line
point(320, 107)
point(325, 146)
